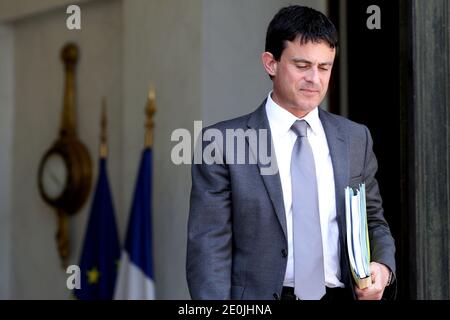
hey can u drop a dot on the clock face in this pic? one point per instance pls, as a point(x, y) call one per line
point(54, 176)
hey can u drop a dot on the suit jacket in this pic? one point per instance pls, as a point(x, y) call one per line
point(237, 239)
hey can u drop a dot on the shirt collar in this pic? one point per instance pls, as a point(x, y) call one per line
point(282, 120)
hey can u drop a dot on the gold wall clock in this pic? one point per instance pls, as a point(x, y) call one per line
point(65, 170)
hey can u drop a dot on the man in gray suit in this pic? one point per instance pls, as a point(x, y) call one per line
point(282, 235)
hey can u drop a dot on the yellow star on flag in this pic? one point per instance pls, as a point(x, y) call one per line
point(93, 276)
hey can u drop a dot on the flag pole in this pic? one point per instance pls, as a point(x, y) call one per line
point(150, 111)
point(101, 248)
point(103, 135)
point(136, 275)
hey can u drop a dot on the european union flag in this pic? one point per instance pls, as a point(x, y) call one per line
point(101, 250)
point(136, 277)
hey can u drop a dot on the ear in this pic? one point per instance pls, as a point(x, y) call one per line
point(269, 63)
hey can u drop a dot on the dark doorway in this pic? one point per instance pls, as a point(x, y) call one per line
point(374, 99)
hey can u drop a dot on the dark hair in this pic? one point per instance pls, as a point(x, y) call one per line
point(297, 21)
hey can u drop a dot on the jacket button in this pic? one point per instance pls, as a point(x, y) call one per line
point(284, 253)
point(276, 296)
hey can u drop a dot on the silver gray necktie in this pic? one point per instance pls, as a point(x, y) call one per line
point(308, 252)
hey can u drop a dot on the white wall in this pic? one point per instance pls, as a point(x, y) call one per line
point(11, 10)
point(36, 271)
point(6, 154)
point(162, 46)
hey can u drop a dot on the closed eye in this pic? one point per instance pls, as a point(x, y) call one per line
point(325, 67)
point(303, 67)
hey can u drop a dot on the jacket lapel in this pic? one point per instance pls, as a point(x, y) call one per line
point(339, 158)
point(257, 121)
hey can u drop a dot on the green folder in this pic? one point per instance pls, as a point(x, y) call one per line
point(357, 235)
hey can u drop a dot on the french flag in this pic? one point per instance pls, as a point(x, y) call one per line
point(136, 275)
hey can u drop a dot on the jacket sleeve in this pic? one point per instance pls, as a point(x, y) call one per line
point(209, 243)
point(382, 244)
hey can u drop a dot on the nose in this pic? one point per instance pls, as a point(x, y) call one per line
point(312, 75)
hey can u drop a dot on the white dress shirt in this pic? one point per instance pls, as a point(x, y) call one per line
point(280, 121)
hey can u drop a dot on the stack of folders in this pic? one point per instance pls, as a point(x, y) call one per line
point(358, 246)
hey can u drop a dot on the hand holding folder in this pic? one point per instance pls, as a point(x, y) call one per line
point(357, 233)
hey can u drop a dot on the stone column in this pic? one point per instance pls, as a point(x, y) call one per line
point(430, 143)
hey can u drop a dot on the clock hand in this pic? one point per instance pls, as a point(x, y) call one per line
point(55, 178)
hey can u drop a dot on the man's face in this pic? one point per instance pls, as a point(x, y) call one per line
point(300, 78)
